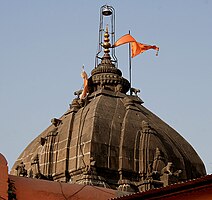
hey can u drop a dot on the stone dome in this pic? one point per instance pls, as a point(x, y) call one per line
point(110, 139)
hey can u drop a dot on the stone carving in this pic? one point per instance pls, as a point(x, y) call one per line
point(155, 167)
point(56, 122)
point(146, 128)
point(75, 104)
point(91, 168)
point(135, 91)
point(161, 173)
point(36, 173)
point(118, 88)
point(36, 166)
point(90, 176)
point(168, 175)
point(78, 93)
point(145, 165)
point(78, 102)
point(168, 169)
point(159, 161)
point(126, 185)
point(21, 171)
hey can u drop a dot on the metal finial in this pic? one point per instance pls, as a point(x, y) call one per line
point(106, 43)
point(107, 16)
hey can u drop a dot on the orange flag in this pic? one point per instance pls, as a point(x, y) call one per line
point(123, 40)
point(136, 47)
point(85, 84)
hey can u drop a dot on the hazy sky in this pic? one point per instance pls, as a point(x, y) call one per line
point(43, 45)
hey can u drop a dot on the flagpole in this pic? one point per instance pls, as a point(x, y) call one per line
point(130, 66)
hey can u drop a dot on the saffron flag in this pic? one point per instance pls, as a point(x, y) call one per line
point(136, 47)
point(85, 84)
point(123, 40)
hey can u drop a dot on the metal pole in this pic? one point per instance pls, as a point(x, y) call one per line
point(130, 66)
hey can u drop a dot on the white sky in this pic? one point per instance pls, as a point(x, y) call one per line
point(44, 43)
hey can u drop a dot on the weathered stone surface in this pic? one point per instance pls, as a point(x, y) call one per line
point(115, 138)
point(110, 139)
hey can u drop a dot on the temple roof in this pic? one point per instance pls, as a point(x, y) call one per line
point(107, 138)
point(110, 140)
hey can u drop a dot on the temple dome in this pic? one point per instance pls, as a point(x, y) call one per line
point(111, 140)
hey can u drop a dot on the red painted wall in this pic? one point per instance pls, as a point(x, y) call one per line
point(3, 178)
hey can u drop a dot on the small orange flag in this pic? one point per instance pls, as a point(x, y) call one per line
point(85, 84)
point(136, 47)
point(123, 40)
